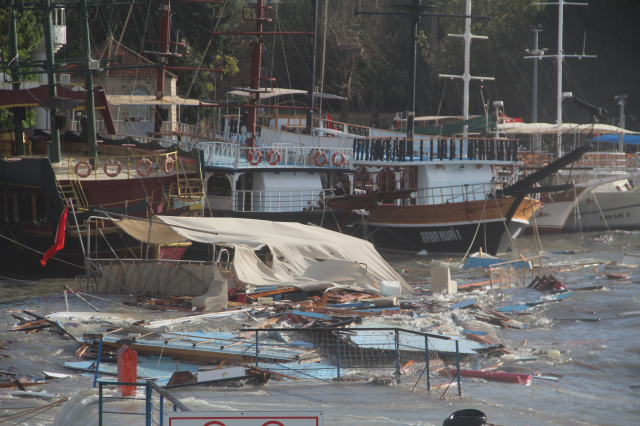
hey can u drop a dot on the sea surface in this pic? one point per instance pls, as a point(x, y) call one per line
point(598, 368)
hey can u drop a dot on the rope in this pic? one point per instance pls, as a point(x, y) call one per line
point(603, 218)
point(39, 252)
point(474, 235)
point(536, 234)
point(36, 409)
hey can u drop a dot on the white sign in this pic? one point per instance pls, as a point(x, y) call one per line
point(244, 418)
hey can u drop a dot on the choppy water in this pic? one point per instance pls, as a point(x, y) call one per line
point(582, 396)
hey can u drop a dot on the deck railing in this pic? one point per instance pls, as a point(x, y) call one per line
point(221, 154)
point(276, 201)
point(514, 272)
point(405, 149)
point(454, 194)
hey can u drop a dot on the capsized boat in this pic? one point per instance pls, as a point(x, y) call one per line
point(232, 252)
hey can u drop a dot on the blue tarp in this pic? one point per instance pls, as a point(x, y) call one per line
point(630, 139)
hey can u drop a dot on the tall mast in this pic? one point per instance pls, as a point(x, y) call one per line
point(55, 156)
point(415, 11)
point(92, 143)
point(15, 77)
point(312, 65)
point(560, 59)
point(466, 77)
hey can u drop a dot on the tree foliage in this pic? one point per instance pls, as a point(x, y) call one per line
point(29, 33)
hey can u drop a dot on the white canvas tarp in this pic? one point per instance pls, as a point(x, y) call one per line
point(304, 256)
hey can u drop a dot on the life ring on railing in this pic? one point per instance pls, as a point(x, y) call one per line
point(168, 165)
point(149, 167)
point(112, 163)
point(77, 168)
point(342, 161)
point(324, 158)
point(251, 157)
point(270, 160)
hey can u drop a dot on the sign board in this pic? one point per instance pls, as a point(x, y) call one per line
point(244, 418)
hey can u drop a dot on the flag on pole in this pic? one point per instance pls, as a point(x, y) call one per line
point(330, 124)
point(397, 120)
point(59, 244)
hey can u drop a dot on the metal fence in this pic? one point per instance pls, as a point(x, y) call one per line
point(395, 355)
point(514, 273)
point(157, 402)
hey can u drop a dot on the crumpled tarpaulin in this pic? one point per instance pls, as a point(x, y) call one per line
point(303, 256)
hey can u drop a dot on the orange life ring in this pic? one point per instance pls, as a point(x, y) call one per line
point(252, 157)
point(109, 163)
point(324, 158)
point(168, 165)
point(342, 161)
point(82, 163)
point(149, 167)
point(270, 154)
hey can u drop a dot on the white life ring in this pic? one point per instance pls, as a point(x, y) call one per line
point(272, 161)
point(251, 157)
point(168, 165)
point(324, 158)
point(149, 167)
point(342, 161)
point(82, 163)
point(112, 163)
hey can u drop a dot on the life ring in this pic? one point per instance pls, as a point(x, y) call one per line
point(77, 168)
point(113, 163)
point(270, 160)
point(168, 165)
point(252, 157)
point(324, 158)
point(149, 167)
point(342, 161)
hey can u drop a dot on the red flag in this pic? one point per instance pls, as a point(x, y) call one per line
point(330, 124)
point(59, 244)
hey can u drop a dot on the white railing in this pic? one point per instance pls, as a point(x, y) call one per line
point(276, 201)
point(221, 154)
point(454, 194)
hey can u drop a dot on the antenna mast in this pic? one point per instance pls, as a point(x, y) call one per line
point(466, 77)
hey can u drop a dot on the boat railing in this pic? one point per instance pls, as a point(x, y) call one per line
point(121, 167)
point(278, 201)
point(221, 154)
point(454, 194)
point(434, 148)
point(514, 273)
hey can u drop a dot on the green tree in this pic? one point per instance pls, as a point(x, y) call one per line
point(30, 32)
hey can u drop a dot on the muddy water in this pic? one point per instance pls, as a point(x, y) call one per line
point(603, 394)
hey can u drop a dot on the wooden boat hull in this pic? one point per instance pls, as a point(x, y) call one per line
point(450, 228)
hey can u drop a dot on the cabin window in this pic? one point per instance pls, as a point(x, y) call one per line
point(218, 185)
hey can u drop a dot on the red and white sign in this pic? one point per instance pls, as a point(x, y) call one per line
point(244, 418)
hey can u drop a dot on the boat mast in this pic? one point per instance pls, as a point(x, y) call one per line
point(466, 77)
point(55, 156)
point(560, 59)
point(415, 11)
point(88, 65)
point(15, 77)
point(312, 65)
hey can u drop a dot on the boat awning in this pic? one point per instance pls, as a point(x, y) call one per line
point(304, 256)
point(34, 97)
point(547, 128)
point(628, 139)
point(284, 92)
point(118, 100)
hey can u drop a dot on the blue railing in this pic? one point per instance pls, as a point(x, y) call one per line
point(154, 413)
